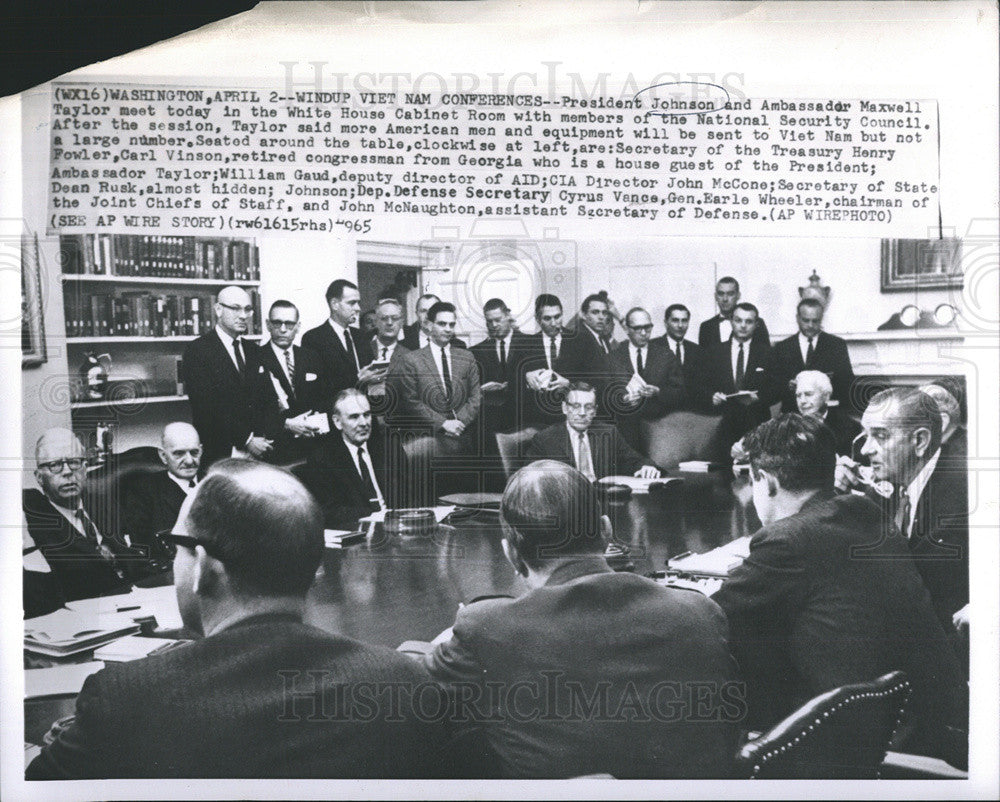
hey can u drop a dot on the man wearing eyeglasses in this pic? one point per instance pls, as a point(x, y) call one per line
point(594, 450)
point(299, 382)
point(261, 694)
point(151, 501)
point(232, 403)
point(647, 381)
point(86, 559)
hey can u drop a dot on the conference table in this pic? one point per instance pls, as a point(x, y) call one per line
point(389, 589)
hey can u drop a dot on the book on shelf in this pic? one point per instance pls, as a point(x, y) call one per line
point(159, 256)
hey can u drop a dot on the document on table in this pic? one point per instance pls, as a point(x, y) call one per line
point(638, 485)
point(58, 680)
point(440, 513)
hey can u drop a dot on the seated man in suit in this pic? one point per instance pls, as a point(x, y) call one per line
point(584, 633)
point(540, 384)
point(736, 381)
point(719, 329)
point(418, 334)
point(930, 496)
point(954, 436)
point(812, 395)
point(343, 351)
point(646, 379)
point(823, 601)
point(261, 694)
point(85, 558)
point(499, 357)
point(232, 405)
point(297, 381)
point(810, 349)
point(594, 450)
point(690, 355)
point(346, 472)
point(151, 501)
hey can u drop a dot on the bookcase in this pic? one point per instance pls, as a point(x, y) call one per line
point(136, 301)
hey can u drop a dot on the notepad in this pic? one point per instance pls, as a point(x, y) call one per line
point(58, 680)
point(717, 562)
point(133, 647)
point(66, 632)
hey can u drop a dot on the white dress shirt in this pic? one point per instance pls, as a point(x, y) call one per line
point(340, 331)
point(672, 345)
point(71, 516)
point(547, 345)
point(436, 353)
point(184, 484)
point(506, 345)
point(352, 449)
point(228, 342)
point(916, 487)
point(734, 355)
point(632, 351)
point(378, 347)
point(725, 329)
point(586, 469)
point(804, 346)
point(280, 354)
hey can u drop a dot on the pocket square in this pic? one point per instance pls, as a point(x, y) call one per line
point(260, 369)
point(310, 377)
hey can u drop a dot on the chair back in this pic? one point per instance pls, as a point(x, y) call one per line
point(105, 484)
point(511, 447)
point(681, 436)
point(841, 734)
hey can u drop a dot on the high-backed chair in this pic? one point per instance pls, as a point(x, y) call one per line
point(682, 435)
point(104, 484)
point(841, 734)
point(512, 446)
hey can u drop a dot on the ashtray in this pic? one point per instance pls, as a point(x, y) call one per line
point(410, 523)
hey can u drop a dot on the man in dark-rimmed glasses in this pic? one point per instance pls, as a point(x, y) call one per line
point(260, 694)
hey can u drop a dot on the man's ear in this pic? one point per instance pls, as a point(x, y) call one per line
point(772, 483)
point(207, 573)
point(921, 439)
point(163, 455)
point(511, 553)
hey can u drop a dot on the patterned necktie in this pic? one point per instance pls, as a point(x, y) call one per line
point(91, 533)
point(740, 369)
point(503, 356)
point(367, 482)
point(809, 352)
point(583, 460)
point(290, 366)
point(638, 363)
point(553, 353)
point(349, 345)
point(446, 373)
point(241, 366)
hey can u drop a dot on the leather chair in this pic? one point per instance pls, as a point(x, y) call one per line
point(681, 436)
point(512, 447)
point(841, 734)
point(104, 484)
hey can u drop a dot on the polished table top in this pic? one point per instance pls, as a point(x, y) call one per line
point(390, 589)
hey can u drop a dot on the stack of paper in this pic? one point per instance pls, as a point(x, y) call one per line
point(133, 647)
point(338, 538)
point(58, 680)
point(67, 632)
point(717, 562)
point(639, 486)
point(159, 603)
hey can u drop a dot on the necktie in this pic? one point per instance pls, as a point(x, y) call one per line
point(367, 482)
point(740, 369)
point(903, 513)
point(809, 352)
point(553, 353)
point(241, 366)
point(385, 352)
point(349, 345)
point(583, 457)
point(503, 356)
point(638, 362)
point(446, 374)
point(90, 531)
point(604, 344)
point(680, 354)
point(192, 484)
point(290, 366)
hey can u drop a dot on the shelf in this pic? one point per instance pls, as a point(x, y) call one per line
point(176, 338)
point(152, 399)
point(187, 282)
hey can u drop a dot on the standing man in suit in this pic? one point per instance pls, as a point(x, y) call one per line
point(418, 334)
point(387, 348)
point(439, 386)
point(930, 500)
point(232, 405)
point(647, 380)
point(820, 603)
point(541, 385)
point(810, 349)
point(499, 357)
point(343, 351)
point(583, 632)
point(585, 355)
point(738, 366)
point(346, 474)
point(690, 355)
point(719, 328)
point(86, 559)
point(260, 693)
point(297, 381)
point(151, 501)
point(594, 450)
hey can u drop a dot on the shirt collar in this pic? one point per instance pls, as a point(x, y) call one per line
point(632, 347)
point(919, 482)
point(337, 327)
point(574, 569)
point(352, 447)
point(506, 340)
point(574, 435)
point(183, 484)
point(227, 340)
point(278, 351)
point(378, 346)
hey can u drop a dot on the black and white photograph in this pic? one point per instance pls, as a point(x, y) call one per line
point(412, 396)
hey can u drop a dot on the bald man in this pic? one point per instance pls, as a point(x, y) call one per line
point(233, 405)
point(86, 559)
point(151, 501)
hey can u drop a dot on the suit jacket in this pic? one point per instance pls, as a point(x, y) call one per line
point(338, 365)
point(335, 483)
point(609, 451)
point(708, 332)
point(581, 358)
point(501, 408)
point(661, 369)
point(385, 398)
point(537, 407)
point(422, 395)
point(411, 338)
point(150, 503)
point(227, 408)
point(309, 392)
point(257, 699)
point(693, 370)
point(738, 418)
point(844, 429)
point(585, 630)
point(76, 562)
point(829, 356)
point(826, 599)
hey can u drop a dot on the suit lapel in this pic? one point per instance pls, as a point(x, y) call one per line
point(223, 354)
point(270, 361)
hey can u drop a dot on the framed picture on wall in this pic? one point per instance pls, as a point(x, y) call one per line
point(32, 323)
point(921, 263)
